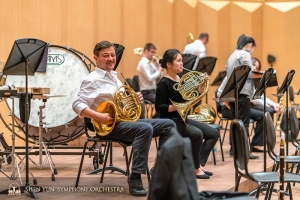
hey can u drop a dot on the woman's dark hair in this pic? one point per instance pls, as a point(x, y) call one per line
point(168, 57)
point(243, 40)
point(254, 60)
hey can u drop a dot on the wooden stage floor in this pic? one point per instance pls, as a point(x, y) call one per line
point(115, 183)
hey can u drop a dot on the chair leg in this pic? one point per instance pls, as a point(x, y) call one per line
point(105, 160)
point(258, 190)
point(221, 148)
point(214, 156)
point(148, 175)
point(236, 189)
point(225, 132)
point(126, 160)
point(290, 190)
point(81, 162)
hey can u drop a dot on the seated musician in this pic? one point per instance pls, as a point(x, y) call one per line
point(99, 86)
point(258, 104)
point(172, 62)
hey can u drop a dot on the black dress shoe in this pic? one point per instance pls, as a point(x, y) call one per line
point(136, 187)
point(203, 176)
point(251, 156)
point(256, 150)
point(208, 173)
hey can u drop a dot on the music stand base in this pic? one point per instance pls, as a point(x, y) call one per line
point(112, 168)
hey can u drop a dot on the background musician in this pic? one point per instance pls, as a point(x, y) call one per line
point(149, 72)
point(258, 104)
point(242, 56)
point(197, 48)
point(172, 62)
point(99, 86)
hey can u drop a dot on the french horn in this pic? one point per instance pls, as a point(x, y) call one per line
point(192, 86)
point(190, 38)
point(125, 107)
point(139, 51)
point(204, 113)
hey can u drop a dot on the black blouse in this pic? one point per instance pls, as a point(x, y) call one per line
point(165, 92)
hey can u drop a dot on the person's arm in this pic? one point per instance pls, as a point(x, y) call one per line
point(146, 73)
point(85, 99)
point(161, 98)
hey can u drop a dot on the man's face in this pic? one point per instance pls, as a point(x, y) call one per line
point(106, 59)
point(150, 53)
point(205, 40)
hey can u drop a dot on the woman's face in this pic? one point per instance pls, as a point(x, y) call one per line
point(256, 66)
point(176, 65)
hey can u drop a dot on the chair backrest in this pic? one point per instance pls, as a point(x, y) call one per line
point(240, 147)
point(129, 81)
point(271, 135)
point(291, 94)
point(135, 83)
point(88, 126)
point(218, 105)
point(294, 123)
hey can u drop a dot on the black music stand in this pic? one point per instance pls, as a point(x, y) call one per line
point(206, 64)
point(218, 80)
point(119, 52)
point(24, 59)
point(233, 87)
point(188, 61)
point(260, 90)
point(284, 89)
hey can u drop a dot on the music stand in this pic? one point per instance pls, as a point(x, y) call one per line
point(284, 89)
point(260, 90)
point(24, 59)
point(233, 87)
point(206, 64)
point(218, 80)
point(188, 61)
point(119, 52)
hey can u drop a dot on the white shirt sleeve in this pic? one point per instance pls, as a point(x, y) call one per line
point(85, 98)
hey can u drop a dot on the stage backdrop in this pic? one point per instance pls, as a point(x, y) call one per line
point(166, 23)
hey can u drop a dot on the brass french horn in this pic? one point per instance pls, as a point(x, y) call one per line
point(124, 107)
point(204, 113)
point(139, 51)
point(192, 86)
point(190, 38)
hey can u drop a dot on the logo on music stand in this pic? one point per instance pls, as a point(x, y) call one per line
point(14, 189)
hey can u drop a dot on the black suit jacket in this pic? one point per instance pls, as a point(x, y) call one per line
point(173, 175)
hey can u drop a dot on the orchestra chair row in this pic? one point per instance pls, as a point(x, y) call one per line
point(241, 159)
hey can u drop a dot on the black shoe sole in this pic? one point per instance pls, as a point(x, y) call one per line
point(203, 176)
point(257, 150)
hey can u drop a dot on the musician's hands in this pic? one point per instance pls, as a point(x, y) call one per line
point(276, 108)
point(227, 105)
point(206, 76)
point(140, 96)
point(155, 61)
point(106, 118)
point(171, 108)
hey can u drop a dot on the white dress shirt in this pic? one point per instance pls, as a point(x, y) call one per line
point(148, 74)
point(97, 87)
point(197, 48)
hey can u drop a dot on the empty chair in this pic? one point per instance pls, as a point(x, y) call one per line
point(241, 160)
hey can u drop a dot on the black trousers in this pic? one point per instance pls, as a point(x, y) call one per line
point(197, 132)
point(149, 95)
point(140, 133)
point(245, 113)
